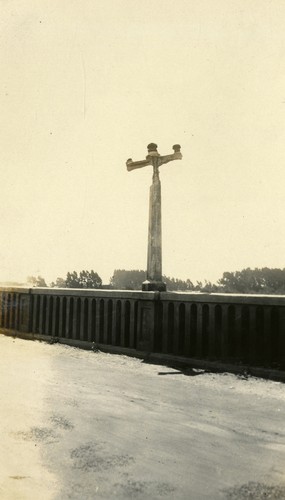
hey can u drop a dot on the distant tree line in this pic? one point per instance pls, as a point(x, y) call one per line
point(250, 281)
point(265, 280)
point(84, 279)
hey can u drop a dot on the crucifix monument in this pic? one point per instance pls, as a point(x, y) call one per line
point(154, 260)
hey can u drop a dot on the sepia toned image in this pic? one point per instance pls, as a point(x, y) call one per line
point(142, 278)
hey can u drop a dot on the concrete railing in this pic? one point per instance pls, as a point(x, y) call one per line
point(246, 329)
point(237, 328)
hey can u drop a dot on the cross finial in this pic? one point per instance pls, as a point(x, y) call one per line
point(152, 147)
point(176, 148)
point(154, 158)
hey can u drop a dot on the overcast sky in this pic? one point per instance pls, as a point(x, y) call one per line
point(87, 84)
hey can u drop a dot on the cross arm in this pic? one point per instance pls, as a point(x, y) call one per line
point(167, 158)
point(131, 165)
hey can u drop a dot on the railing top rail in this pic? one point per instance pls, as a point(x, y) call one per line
point(81, 292)
point(224, 298)
point(15, 289)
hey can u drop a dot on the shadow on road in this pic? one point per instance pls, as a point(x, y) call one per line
point(189, 372)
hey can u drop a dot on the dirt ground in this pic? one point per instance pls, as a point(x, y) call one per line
point(85, 425)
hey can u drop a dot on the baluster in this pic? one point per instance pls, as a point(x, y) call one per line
point(213, 334)
point(281, 337)
point(268, 334)
point(238, 332)
point(74, 319)
point(47, 326)
point(11, 312)
point(165, 327)
point(17, 311)
point(199, 342)
point(106, 320)
point(176, 328)
point(1, 309)
point(132, 324)
point(254, 336)
point(89, 321)
point(99, 321)
point(187, 336)
point(60, 317)
point(68, 324)
point(225, 332)
point(123, 322)
point(82, 319)
point(6, 310)
point(54, 314)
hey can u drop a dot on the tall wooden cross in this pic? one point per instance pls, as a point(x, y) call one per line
point(154, 280)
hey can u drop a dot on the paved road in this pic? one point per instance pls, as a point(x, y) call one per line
point(84, 425)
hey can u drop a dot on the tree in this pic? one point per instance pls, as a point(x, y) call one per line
point(90, 279)
point(177, 285)
point(59, 283)
point(85, 279)
point(127, 280)
point(36, 281)
point(72, 280)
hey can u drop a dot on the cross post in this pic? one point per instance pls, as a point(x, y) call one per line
point(154, 280)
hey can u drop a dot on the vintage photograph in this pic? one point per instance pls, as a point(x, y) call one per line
point(142, 276)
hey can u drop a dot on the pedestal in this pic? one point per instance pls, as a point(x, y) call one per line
point(153, 286)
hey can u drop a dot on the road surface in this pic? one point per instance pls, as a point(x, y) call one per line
point(82, 425)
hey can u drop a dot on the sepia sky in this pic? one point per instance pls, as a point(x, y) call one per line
point(87, 84)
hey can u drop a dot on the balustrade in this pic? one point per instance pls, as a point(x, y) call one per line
point(247, 329)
